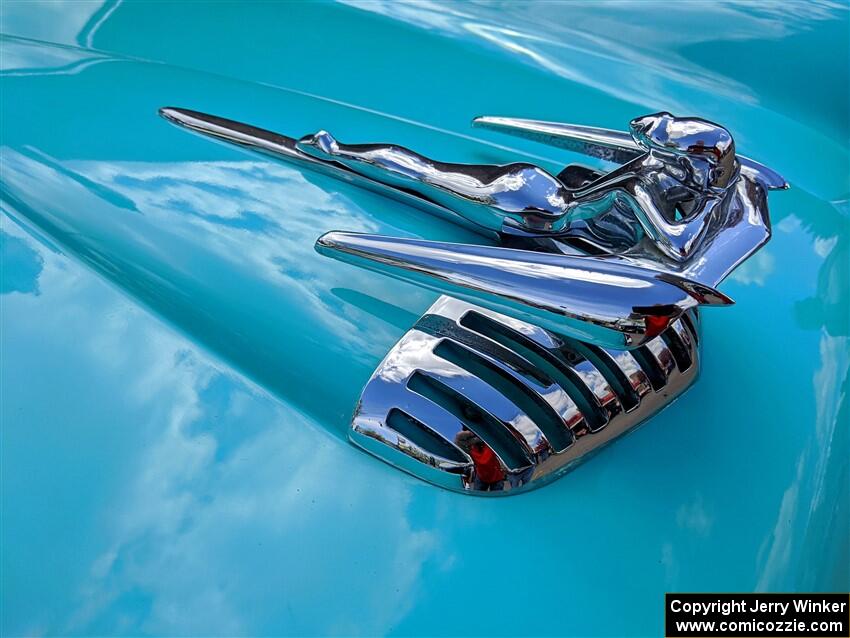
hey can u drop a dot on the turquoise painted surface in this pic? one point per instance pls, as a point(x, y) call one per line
point(178, 364)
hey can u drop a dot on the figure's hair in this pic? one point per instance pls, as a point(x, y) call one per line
point(682, 135)
point(690, 137)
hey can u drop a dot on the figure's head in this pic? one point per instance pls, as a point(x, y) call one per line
point(707, 148)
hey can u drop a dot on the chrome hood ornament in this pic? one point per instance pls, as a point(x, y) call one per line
point(613, 258)
point(579, 325)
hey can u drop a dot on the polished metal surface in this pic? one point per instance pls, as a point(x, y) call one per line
point(662, 229)
point(481, 403)
point(610, 303)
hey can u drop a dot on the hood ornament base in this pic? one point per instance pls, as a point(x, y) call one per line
point(481, 403)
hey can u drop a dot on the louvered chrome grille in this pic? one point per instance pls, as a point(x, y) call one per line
point(478, 402)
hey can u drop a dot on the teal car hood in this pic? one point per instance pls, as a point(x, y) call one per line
point(179, 365)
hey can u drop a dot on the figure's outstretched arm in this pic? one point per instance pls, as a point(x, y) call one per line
point(678, 239)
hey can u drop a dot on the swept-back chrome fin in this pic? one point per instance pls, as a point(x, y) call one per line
point(614, 146)
point(607, 144)
point(612, 304)
point(459, 401)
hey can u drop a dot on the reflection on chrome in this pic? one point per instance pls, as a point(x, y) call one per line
point(481, 403)
point(611, 304)
point(680, 213)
